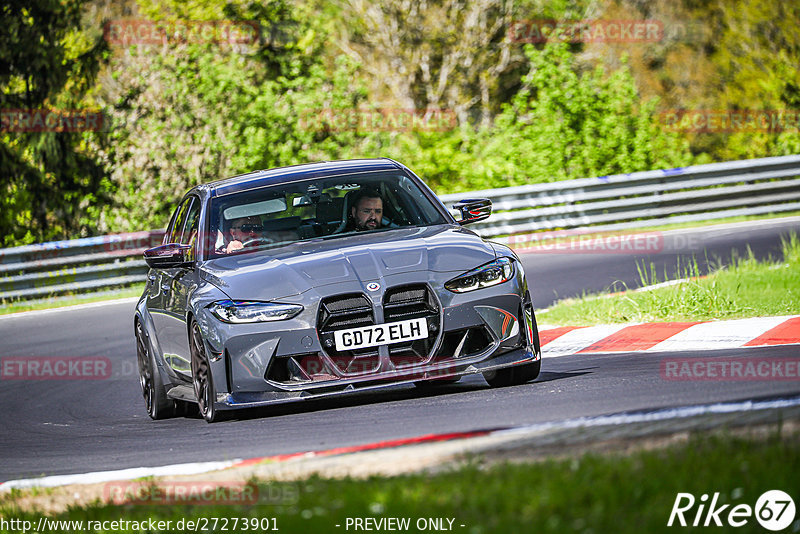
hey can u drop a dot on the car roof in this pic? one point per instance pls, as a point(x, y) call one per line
point(294, 173)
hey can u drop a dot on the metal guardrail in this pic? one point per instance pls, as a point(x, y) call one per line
point(74, 266)
point(642, 199)
point(607, 203)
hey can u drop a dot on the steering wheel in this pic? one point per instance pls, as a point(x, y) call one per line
point(256, 241)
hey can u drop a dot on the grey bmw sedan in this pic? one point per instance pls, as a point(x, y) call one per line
point(325, 279)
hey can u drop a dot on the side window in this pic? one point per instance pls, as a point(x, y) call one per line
point(192, 220)
point(175, 232)
point(170, 226)
point(189, 236)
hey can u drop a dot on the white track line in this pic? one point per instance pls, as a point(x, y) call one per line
point(121, 474)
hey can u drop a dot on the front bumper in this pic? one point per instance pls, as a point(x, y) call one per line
point(378, 382)
point(256, 364)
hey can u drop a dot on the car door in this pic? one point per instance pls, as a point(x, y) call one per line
point(155, 294)
point(170, 322)
point(183, 282)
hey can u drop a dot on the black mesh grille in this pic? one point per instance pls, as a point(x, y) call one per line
point(339, 313)
point(352, 320)
point(346, 304)
point(408, 303)
point(411, 302)
point(346, 311)
point(406, 295)
point(355, 310)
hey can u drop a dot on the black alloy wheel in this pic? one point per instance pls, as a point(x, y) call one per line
point(158, 405)
point(201, 377)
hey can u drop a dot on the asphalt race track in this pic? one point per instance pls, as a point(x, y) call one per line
point(58, 427)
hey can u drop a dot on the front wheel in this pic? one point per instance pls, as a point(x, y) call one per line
point(513, 376)
point(156, 402)
point(202, 379)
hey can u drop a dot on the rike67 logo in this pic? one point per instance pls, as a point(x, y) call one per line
point(774, 510)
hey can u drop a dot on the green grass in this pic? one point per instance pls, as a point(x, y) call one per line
point(591, 493)
point(747, 288)
point(71, 300)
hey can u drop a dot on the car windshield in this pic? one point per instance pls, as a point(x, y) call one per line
point(319, 208)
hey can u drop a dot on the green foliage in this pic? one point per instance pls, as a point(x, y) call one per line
point(75, 299)
point(563, 123)
point(186, 113)
point(718, 56)
point(48, 180)
point(567, 123)
point(757, 59)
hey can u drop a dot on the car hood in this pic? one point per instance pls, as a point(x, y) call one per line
point(290, 270)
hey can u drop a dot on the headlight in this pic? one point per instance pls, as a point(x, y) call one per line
point(243, 311)
point(491, 274)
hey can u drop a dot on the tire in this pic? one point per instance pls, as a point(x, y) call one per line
point(519, 374)
point(513, 376)
point(202, 378)
point(156, 402)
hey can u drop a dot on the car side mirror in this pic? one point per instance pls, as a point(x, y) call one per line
point(168, 256)
point(473, 209)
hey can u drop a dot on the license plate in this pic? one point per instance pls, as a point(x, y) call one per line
point(381, 334)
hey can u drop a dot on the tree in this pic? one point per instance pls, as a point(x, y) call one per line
point(719, 56)
point(49, 184)
point(187, 113)
point(569, 123)
point(451, 54)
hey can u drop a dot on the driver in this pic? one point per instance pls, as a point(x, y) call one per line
point(367, 211)
point(242, 230)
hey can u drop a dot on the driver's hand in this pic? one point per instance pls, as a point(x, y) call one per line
point(233, 245)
